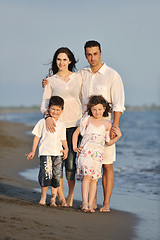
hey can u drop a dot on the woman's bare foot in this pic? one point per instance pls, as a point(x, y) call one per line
point(105, 208)
point(69, 201)
point(62, 203)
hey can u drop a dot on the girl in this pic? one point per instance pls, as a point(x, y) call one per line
point(95, 130)
point(66, 84)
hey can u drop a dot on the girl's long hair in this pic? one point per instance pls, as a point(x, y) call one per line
point(98, 99)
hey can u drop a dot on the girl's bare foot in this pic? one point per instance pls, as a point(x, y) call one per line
point(91, 210)
point(84, 207)
point(105, 208)
point(94, 206)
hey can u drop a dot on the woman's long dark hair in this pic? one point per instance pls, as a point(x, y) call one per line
point(67, 51)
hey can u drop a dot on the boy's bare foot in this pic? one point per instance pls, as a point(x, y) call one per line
point(105, 208)
point(42, 202)
point(53, 204)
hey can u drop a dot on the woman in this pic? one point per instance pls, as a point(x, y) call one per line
point(66, 84)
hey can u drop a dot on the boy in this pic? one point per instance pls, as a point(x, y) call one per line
point(51, 148)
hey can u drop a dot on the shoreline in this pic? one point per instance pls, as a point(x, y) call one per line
point(23, 218)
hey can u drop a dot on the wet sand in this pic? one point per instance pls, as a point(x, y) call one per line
point(22, 217)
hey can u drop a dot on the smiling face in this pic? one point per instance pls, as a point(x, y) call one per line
point(62, 61)
point(93, 55)
point(55, 111)
point(97, 111)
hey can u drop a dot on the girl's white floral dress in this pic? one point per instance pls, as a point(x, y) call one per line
point(89, 161)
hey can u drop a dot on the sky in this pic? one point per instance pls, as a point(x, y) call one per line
point(31, 31)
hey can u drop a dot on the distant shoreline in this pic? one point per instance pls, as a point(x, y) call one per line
point(11, 109)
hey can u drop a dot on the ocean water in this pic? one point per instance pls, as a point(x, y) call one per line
point(137, 169)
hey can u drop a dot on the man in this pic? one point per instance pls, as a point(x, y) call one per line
point(101, 79)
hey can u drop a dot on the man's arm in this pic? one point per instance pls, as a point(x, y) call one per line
point(118, 98)
point(116, 120)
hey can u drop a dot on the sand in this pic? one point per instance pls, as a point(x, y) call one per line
point(22, 217)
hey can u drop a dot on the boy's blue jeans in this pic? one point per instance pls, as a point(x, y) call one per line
point(50, 171)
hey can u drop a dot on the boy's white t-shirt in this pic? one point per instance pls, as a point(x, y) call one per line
point(50, 143)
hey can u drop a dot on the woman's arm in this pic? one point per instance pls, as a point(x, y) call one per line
point(47, 93)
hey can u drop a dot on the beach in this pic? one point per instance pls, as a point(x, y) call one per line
point(22, 217)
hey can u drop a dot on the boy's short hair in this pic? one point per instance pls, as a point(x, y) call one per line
point(92, 43)
point(56, 101)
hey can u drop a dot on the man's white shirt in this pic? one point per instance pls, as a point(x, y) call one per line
point(106, 82)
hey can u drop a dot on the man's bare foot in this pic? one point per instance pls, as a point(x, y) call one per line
point(105, 208)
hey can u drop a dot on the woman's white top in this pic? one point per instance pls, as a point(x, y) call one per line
point(70, 92)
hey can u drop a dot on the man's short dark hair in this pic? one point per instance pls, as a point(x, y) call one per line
point(56, 101)
point(92, 43)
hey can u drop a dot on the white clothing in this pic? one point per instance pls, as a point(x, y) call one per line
point(50, 143)
point(90, 159)
point(108, 83)
point(70, 92)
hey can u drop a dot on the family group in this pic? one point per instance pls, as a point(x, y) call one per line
point(80, 127)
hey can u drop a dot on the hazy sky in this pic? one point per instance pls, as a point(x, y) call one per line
point(31, 31)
